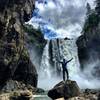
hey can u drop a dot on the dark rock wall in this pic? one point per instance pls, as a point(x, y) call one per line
point(89, 43)
point(14, 59)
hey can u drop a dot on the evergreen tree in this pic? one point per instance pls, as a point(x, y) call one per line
point(97, 8)
point(92, 19)
point(88, 9)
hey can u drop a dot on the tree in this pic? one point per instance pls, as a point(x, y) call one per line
point(88, 9)
point(97, 8)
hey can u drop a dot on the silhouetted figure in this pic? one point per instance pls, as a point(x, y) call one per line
point(65, 70)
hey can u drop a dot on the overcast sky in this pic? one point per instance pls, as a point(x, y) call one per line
point(67, 16)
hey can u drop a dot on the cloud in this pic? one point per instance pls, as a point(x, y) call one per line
point(65, 15)
point(92, 3)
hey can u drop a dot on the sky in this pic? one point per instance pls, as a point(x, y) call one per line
point(65, 18)
point(60, 19)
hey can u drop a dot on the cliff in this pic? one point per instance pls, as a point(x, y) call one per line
point(15, 62)
point(89, 43)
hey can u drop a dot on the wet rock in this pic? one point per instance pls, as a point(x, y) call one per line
point(99, 96)
point(12, 85)
point(25, 95)
point(39, 90)
point(66, 89)
point(21, 95)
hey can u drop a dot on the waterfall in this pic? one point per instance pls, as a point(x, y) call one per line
point(66, 49)
point(70, 51)
point(47, 78)
point(45, 65)
point(51, 73)
point(56, 24)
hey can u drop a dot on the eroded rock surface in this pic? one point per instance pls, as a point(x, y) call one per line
point(14, 58)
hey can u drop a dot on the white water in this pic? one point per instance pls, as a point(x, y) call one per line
point(56, 22)
point(68, 49)
point(45, 65)
point(46, 79)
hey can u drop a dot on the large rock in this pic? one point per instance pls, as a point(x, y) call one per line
point(66, 89)
point(14, 59)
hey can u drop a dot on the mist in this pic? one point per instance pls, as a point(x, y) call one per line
point(85, 78)
point(60, 23)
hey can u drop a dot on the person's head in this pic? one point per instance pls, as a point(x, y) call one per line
point(64, 60)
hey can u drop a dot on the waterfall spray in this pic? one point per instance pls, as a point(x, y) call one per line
point(48, 72)
point(55, 22)
point(45, 65)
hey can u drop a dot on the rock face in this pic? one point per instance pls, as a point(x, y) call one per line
point(88, 43)
point(14, 58)
point(67, 90)
point(35, 43)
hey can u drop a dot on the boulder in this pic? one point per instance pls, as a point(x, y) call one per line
point(25, 95)
point(21, 95)
point(12, 85)
point(66, 89)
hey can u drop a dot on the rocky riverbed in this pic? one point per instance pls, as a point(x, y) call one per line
point(82, 96)
point(14, 90)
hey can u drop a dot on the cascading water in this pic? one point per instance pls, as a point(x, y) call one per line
point(45, 71)
point(70, 51)
point(55, 22)
point(48, 72)
point(45, 65)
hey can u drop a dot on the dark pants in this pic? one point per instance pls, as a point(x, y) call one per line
point(65, 70)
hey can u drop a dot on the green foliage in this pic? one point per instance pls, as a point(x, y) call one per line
point(35, 36)
point(88, 9)
point(97, 8)
point(31, 31)
point(92, 21)
point(25, 55)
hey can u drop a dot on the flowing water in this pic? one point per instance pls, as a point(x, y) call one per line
point(42, 97)
point(55, 22)
point(45, 65)
point(48, 72)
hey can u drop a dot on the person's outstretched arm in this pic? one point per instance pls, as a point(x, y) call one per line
point(69, 60)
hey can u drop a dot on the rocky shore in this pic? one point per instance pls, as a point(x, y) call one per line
point(69, 90)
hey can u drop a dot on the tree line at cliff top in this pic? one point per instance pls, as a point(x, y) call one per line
point(92, 17)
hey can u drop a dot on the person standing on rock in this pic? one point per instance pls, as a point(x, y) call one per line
point(65, 70)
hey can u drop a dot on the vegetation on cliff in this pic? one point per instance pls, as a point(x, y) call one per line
point(88, 42)
point(35, 36)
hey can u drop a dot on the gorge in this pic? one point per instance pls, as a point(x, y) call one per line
point(36, 34)
point(60, 45)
